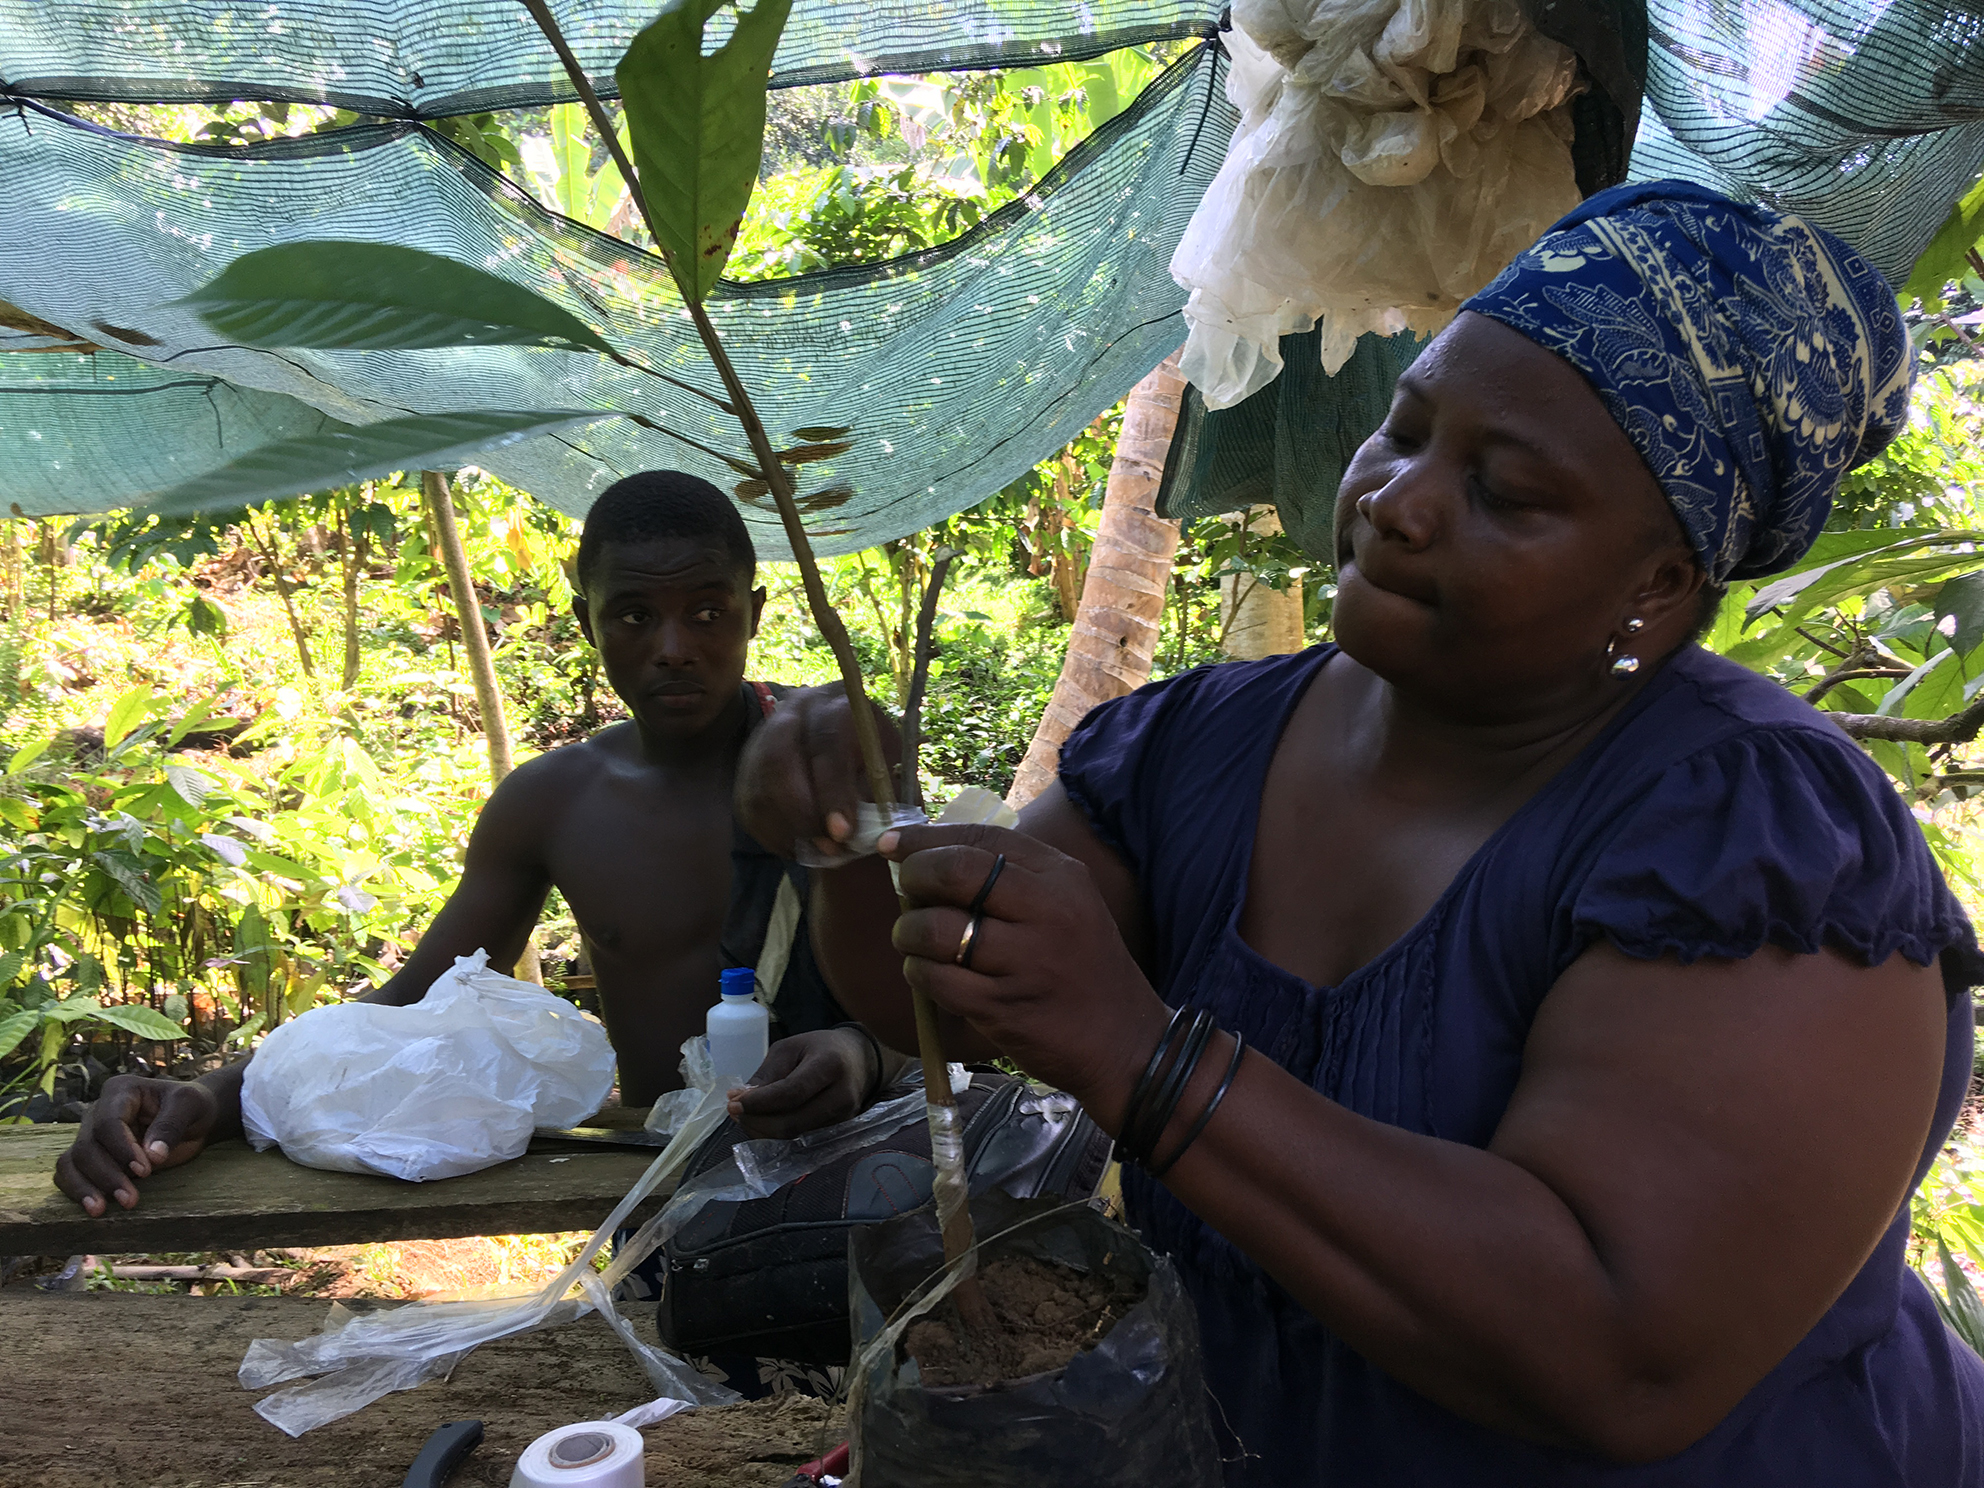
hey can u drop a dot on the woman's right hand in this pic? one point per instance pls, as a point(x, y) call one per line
point(136, 1127)
point(800, 776)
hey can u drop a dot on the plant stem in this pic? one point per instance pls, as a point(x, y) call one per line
point(274, 560)
point(919, 677)
point(936, 1072)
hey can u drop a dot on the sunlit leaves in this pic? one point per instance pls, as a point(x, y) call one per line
point(698, 126)
point(347, 296)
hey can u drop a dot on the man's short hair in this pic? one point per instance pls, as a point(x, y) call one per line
point(663, 503)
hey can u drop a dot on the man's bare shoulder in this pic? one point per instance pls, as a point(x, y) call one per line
point(554, 777)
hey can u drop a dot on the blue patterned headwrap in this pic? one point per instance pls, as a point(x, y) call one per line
point(1751, 357)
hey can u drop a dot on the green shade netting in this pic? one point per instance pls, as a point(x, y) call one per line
point(427, 59)
point(1866, 118)
point(958, 367)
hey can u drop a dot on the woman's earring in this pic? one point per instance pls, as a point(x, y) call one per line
point(1625, 665)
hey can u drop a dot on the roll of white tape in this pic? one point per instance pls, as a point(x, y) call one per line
point(592, 1454)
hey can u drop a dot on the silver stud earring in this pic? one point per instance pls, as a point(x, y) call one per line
point(1624, 665)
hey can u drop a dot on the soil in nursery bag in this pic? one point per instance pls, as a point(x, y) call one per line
point(1047, 1313)
point(1094, 1380)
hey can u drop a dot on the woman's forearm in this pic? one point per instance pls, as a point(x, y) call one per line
point(1448, 1267)
point(1695, 1163)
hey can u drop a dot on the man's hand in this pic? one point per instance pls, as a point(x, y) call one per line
point(797, 779)
point(807, 1081)
point(136, 1127)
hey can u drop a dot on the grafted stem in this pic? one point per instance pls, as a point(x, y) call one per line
point(958, 1238)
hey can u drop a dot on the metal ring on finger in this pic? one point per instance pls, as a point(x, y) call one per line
point(985, 890)
point(968, 942)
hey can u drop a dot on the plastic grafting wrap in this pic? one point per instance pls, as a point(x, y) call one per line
point(385, 1351)
point(1391, 159)
point(361, 1359)
point(432, 58)
point(948, 1185)
point(870, 822)
point(958, 367)
point(1866, 119)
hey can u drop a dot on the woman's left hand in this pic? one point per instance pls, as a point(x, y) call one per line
point(1051, 982)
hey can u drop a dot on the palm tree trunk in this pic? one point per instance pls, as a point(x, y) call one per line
point(1256, 619)
point(1118, 625)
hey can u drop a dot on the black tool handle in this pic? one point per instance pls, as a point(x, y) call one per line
point(442, 1454)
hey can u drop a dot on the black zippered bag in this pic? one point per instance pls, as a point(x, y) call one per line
point(768, 1277)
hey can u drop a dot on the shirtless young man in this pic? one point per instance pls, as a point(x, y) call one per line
point(633, 826)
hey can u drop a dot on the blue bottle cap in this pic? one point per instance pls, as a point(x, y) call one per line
point(738, 981)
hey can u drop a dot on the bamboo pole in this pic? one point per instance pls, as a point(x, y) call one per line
point(475, 635)
point(481, 664)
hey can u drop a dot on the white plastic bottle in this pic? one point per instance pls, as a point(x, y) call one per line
point(739, 1029)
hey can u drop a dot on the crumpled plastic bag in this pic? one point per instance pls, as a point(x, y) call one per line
point(1392, 157)
point(451, 1084)
point(357, 1360)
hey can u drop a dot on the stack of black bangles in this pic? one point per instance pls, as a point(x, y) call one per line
point(1155, 1099)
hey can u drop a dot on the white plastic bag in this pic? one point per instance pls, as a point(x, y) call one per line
point(1392, 157)
point(454, 1083)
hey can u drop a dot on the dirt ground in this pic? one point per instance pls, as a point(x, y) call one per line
point(114, 1390)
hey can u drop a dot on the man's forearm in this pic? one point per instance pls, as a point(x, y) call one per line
point(225, 1086)
point(853, 916)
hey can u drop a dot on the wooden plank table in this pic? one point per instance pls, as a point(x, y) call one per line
point(111, 1390)
point(234, 1198)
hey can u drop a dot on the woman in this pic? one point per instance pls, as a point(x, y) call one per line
point(1602, 1005)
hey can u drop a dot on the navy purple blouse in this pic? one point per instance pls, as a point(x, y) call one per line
point(1715, 815)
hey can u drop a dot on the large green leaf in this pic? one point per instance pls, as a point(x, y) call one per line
point(327, 295)
point(1945, 258)
point(698, 126)
point(15, 1027)
point(145, 1022)
point(1963, 598)
point(345, 454)
point(1960, 1307)
point(126, 714)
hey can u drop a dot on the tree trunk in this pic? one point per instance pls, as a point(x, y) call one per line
point(475, 641)
point(1117, 628)
point(1256, 619)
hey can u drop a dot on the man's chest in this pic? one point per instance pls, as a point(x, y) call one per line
point(645, 873)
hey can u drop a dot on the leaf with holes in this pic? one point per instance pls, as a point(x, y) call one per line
point(1963, 599)
point(146, 1023)
point(337, 296)
point(698, 126)
point(345, 454)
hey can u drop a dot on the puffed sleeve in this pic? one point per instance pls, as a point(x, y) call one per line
point(1113, 763)
point(1787, 836)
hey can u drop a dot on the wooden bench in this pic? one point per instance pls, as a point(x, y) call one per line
point(234, 1198)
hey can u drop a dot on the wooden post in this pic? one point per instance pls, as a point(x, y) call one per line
point(475, 641)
